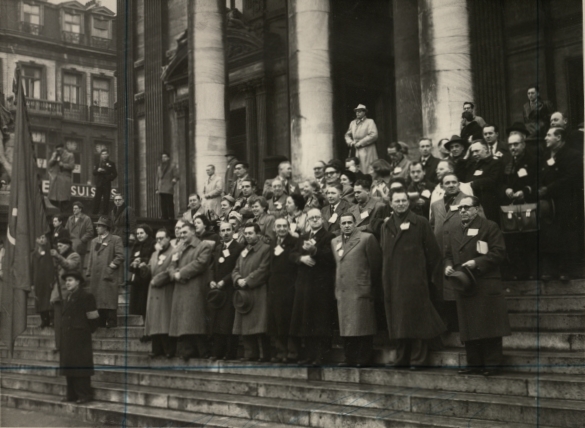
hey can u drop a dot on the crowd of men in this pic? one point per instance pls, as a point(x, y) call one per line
point(411, 247)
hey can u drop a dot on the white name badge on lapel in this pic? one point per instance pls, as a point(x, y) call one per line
point(522, 173)
point(221, 260)
point(226, 253)
point(472, 232)
point(405, 226)
point(292, 188)
point(137, 253)
point(426, 193)
point(364, 215)
point(340, 253)
point(550, 162)
point(244, 253)
point(481, 247)
point(478, 172)
point(312, 242)
point(160, 262)
point(278, 206)
point(333, 218)
point(175, 257)
point(454, 207)
point(292, 227)
point(338, 246)
point(397, 170)
point(236, 236)
point(278, 250)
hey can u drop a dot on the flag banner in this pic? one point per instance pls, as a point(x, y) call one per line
point(26, 222)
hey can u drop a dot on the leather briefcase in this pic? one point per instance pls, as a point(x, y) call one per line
point(519, 218)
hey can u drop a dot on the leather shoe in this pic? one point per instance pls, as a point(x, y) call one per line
point(467, 371)
point(83, 400)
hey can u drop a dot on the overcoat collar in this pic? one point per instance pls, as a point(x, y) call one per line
point(476, 223)
point(351, 242)
point(410, 218)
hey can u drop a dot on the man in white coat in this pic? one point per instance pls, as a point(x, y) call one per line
point(361, 137)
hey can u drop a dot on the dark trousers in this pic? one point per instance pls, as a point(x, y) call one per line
point(316, 347)
point(167, 206)
point(484, 352)
point(193, 345)
point(225, 346)
point(411, 352)
point(358, 349)
point(64, 206)
point(522, 251)
point(79, 388)
point(57, 308)
point(102, 199)
point(286, 347)
point(108, 317)
point(45, 318)
point(162, 344)
point(256, 345)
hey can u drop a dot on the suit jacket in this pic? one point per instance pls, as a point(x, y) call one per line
point(376, 211)
point(502, 152)
point(333, 226)
point(105, 178)
point(482, 310)
point(236, 190)
point(165, 174)
point(430, 167)
point(520, 174)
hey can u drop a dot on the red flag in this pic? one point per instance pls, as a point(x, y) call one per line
point(26, 222)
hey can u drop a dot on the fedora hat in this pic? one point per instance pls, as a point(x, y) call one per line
point(216, 298)
point(243, 301)
point(456, 139)
point(518, 127)
point(360, 107)
point(104, 221)
point(463, 280)
point(75, 274)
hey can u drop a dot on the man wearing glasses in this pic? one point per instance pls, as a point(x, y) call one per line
point(474, 252)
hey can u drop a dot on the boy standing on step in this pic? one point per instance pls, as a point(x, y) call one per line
point(79, 321)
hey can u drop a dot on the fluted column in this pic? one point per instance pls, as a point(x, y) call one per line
point(261, 127)
point(445, 65)
point(251, 141)
point(310, 87)
point(209, 81)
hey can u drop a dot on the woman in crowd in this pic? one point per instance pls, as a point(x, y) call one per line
point(235, 219)
point(264, 220)
point(311, 191)
point(226, 206)
point(59, 231)
point(297, 218)
point(347, 179)
point(204, 229)
point(139, 273)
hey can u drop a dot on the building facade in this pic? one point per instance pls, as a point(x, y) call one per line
point(66, 54)
point(273, 78)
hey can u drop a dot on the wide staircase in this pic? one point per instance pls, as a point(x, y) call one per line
point(543, 382)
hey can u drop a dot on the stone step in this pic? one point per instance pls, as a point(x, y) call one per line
point(123, 332)
point(546, 303)
point(566, 342)
point(255, 381)
point(520, 288)
point(123, 320)
point(362, 406)
point(121, 414)
point(99, 344)
point(548, 322)
point(450, 358)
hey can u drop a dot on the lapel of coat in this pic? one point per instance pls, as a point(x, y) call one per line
point(105, 243)
point(456, 201)
point(369, 207)
point(410, 218)
point(475, 224)
point(353, 240)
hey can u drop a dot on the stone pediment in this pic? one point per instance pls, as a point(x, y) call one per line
point(242, 43)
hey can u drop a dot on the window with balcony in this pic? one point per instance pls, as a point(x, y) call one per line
point(74, 107)
point(74, 145)
point(40, 142)
point(31, 77)
point(101, 101)
point(72, 28)
point(31, 18)
point(101, 36)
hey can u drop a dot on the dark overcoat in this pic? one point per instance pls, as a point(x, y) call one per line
point(222, 320)
point(370, 217)
point(281, 286)
point(189, 309)
point(76, 353)
point(43, 271)
point(160, 297)
point(485, 177)
point(411, 255)
point(330, 219)
point(124, 222)
point(483, 313)
point(359, 262)
point(520, 174)
point(564, 187)
point(253, 265)
point(105, 281)
point(314, 308)
point(140, 277)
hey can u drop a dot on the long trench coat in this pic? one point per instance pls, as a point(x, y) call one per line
point(104, 281)
point(76, 353)
point(365, 135)
point(314, 309)
point(483, 313)
point(60, 173)
point(254, 269)
point(410, 254)
point(81, 232)
point(281, 286)
point(160, 298)
point(192, 260)
point(43, 271)
point(222, 320)
point(359, 261)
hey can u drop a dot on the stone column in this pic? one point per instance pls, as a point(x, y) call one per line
point(445, 65)
point(251, 141)
point(409, 127)
point(310, 87)
point(209, 84)
point(261, 127)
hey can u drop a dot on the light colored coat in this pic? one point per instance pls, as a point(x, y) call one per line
point(81, 232)
point(359, 261)
point(254, 268)
point(365, 135)
point(160, 299)
point(103, 280)
point(192, 260)
point(64, 264)
point(165, 176)
point(212, 191)
point(60, 173)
